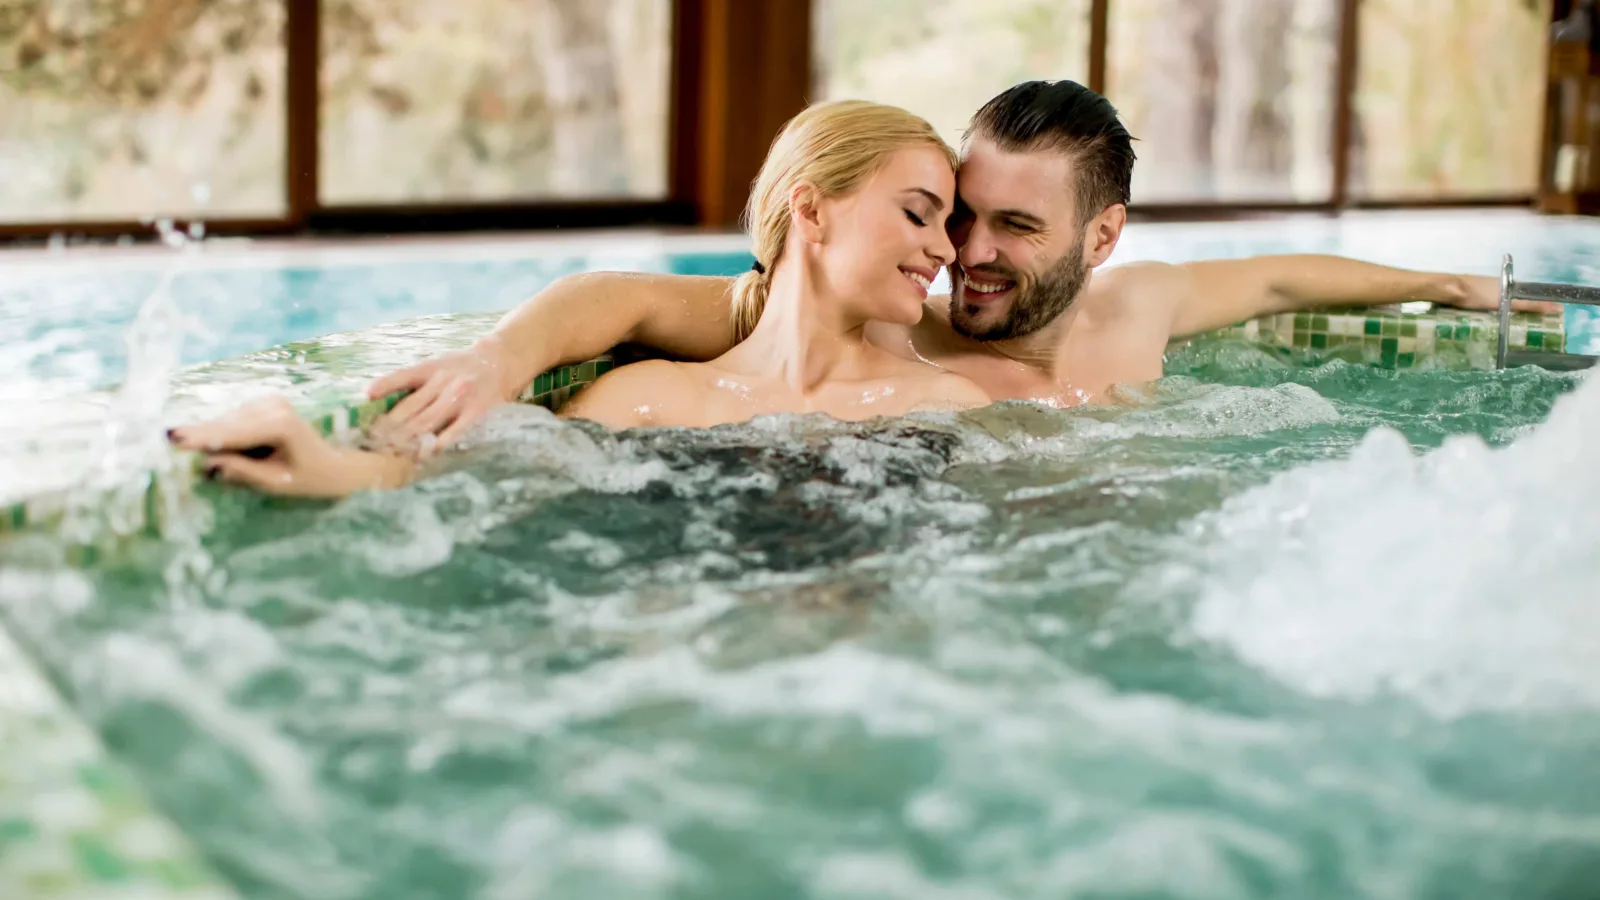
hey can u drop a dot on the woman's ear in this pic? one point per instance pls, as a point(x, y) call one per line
point(805, 213)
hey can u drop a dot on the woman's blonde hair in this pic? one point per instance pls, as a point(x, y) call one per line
point(834, 147)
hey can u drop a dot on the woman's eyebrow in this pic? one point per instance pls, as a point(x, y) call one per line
point(938, 203)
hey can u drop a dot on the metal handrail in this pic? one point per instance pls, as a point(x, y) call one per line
point(1512, 289)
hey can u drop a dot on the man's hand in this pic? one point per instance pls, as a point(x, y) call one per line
point(1482, 293)
point(449, 394)
point(267, 446)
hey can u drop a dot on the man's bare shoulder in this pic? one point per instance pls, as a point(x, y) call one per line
point(1136, 290)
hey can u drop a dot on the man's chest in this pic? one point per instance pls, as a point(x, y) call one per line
point(933, 342)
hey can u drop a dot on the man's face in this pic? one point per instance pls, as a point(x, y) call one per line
point(1020, 249)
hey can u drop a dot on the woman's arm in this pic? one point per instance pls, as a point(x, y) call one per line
point(576, 318)
point(267, 446)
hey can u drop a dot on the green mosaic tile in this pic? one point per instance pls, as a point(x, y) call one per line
point(1390, 345)
point(1302, 321)
point(1302, 339)
point(1535, 339)
point(1319, 323)
point(1408, 329)
point(64, 768)
point(99, 860)
point(12, 830)
point(1319, 341)
point(1406, 360)
point(1373, 326)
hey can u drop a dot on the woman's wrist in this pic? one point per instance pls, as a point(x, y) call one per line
point(502, 364)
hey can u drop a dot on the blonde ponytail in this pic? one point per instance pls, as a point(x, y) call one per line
point(834, 147)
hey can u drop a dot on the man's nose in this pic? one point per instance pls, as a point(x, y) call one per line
point(976, 248)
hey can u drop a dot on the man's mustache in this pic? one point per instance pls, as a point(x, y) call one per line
point(1007, 274)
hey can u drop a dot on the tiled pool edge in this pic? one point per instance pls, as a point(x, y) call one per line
point(72, 822)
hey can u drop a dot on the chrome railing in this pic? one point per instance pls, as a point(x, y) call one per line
point(1512, 289)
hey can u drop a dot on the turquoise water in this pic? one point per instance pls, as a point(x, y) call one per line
point(66, 332)
point(1290, 628)
point(1228, 644)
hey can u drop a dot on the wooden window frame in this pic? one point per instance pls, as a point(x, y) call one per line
point(740, 69)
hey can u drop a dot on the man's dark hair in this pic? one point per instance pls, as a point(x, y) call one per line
point(1070, 118)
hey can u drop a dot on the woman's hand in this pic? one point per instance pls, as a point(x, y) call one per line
point(267, 446)
point(449, 394)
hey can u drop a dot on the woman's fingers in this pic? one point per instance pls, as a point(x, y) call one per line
point(396, 424)
point(269, 422)
point(267, 476)
point(408, 379)
point(445, 408)
point(463, 423)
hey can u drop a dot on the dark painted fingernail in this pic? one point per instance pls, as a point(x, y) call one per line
point(173, 436)
point(261, 451)
point(212, 472)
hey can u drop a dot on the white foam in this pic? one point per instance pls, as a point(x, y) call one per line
point(1464, 579)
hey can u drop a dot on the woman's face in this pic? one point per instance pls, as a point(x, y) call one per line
point(885, 242)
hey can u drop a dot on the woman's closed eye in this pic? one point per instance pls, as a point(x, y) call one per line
point(916, 219)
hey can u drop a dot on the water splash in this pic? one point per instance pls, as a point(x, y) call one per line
point(1463, 579)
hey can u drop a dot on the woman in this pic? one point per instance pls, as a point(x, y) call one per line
point(848, 219)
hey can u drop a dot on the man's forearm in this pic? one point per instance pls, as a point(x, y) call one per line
point(1306, 282)
point(1229, 291)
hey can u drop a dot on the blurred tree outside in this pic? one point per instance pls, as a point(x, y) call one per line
point(482, 100)
point(1449, 98)
point(1230, 100)
point(116, 109)
point(942, 59)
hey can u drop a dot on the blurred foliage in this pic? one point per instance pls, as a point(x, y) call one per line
point(1231, 99)
point(1450, 97)
point(116, 109)
point(943, 58)
point(130, 108)
point(478, 99)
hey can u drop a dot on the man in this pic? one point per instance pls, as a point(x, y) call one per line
point(1043, 188)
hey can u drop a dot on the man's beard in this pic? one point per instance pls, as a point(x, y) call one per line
point(1033, 306)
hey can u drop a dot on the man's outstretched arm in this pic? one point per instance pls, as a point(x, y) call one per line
point(1227, 291)
point(576, 318)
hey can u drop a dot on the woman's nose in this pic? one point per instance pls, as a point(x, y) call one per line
point(941, 249)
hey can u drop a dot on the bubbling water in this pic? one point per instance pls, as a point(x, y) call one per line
point(1009, 652)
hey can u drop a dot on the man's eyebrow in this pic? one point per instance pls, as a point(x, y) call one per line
point(1024, 217)
point(935, 199)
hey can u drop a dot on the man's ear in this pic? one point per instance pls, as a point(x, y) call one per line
point(1104, 232)
point(805, 213)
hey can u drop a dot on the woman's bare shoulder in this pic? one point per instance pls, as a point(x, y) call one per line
point(947, 390)
point(651, 392)
point(931, 387)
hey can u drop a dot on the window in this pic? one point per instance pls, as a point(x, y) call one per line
point(1449, 98)
point(1230, 100)
point(116, 111)
point(942, 59)
point(483, 100)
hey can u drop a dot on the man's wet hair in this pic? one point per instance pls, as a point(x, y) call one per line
point(1067, 117)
